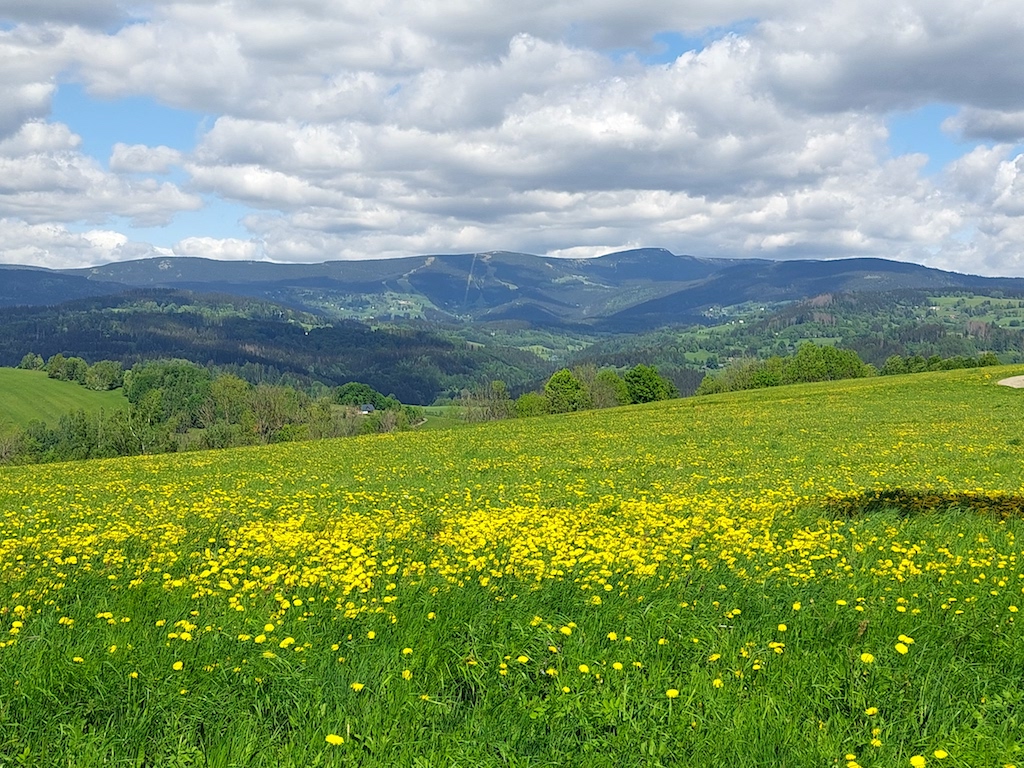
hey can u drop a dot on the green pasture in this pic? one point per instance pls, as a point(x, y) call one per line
point(27, 396)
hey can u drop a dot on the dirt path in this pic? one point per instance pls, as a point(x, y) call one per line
point(1017, 382)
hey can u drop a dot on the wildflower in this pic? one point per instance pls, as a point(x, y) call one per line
point(918, 761)
point(901, 648)
point(717, 682)
point(566, 631)
point(407, 651)
point(672, 693)
point(782, 627)
point(371, 635)
point(584, 669)
point(78, 659)
point(357, 687)
point(613, 636)
point(335, 739)
point(871, 711)
point(617, 666)
point(797, 606)
point(407, 674)
point(940, 754)
point(867, 658)
point(522, 659)
point(714, 657)
point(177, 666)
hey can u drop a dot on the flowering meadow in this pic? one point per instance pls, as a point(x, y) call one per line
point(814, 575)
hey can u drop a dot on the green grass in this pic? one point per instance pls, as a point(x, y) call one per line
point(481, 586)
point(27, 396)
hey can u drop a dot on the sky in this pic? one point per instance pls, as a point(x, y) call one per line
point(315, 130)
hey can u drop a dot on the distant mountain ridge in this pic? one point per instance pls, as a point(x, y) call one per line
point(622, 291)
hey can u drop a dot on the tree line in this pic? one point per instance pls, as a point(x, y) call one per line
point(814, 362)
point(176, 405)
point(577, 389)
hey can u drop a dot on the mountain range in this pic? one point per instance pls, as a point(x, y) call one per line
point(620, 292)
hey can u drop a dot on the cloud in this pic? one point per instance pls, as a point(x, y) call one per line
point(987, 124)
point(139, 158)
point(386, 129)
point(57, 247)
point(226, 249)
point(44, 178)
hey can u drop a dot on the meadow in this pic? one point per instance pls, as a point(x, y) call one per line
point(812, 575)
point(27, 396)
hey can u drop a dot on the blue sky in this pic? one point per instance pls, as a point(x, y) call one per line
point(735, 128)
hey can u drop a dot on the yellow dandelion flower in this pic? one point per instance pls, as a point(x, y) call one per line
point(584, 669)
point(613, 636)
point(335, 739)
point(672, 693)
point(871, 711)
point(901, 648)
point(357, 687)
point(782, 627)
point(918, 761)
point(407, 674)
point(522, 659)
point(717, 682)
point(617, 666)
point(177, 666)
point(867, 658)
point(940, 754)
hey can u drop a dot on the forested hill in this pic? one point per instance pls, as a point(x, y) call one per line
point(620, 292)
point(261, 342)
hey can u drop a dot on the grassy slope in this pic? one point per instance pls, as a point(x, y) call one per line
point(464, 557)
point(30, 395)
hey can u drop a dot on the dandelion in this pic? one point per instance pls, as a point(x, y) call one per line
point(522, 659)
point(584, 669)
point(613, 636)
point(335, 739)
point(566, 631)
point(617, 666)
point(672, 693)
point(901, 648)
point(871, 711)
point(78, 659)
point(940, 754)
point(407, 674)
point(431, 616)
point(357, 687)
point(177, 666)
point(918, 761)
point(797, 606)
point(717, 682)
point(782, 627)
point(371, 635)
point(407, 651)
point(867, 658)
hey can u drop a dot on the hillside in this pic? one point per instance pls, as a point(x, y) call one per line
point(567, 589)
point(27, 396)
point(619, 292)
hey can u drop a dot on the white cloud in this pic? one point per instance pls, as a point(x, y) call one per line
point(227, 249)
point(356, 130)
point(139, 158)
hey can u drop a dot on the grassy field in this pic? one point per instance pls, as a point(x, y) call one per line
point(30, 395)
point(816, 575)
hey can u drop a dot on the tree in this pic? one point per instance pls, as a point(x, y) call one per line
point(566, 393)
point(488, 403)
point(532, 404)
point(32, 362)
point(646, 385)
point(104, 375)
point(609, 390)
